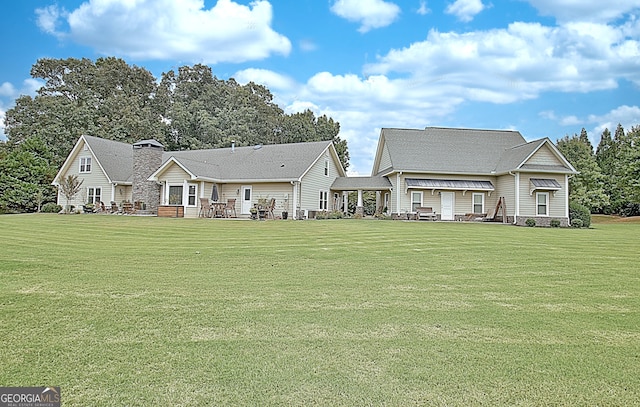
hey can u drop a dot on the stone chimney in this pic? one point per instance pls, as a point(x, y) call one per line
point(147, 158)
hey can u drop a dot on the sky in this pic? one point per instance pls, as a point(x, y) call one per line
point(547, 68)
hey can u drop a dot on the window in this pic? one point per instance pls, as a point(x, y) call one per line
point(478, 203)
point(94, 195)
point(175, 195)
point(324, 198)
point(326, 167)
point(542, 204)
point(416, 200)
point(191, 198)
point(85, 164)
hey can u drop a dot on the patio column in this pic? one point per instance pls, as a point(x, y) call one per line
point(345, 202)
point(360, 207)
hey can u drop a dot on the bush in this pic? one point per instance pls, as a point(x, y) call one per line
point(51, 207)
point(555, 223)
point(630, 209)
point(577, 211)
point(576, 223)
point(530, 222)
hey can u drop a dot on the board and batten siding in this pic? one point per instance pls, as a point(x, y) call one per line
point(315, 181)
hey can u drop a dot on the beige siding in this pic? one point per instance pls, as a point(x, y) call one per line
point(544, 156)
point(315, 181)
point(385, 159)
point(557, 202)
point(506, 187)
point(94, 179)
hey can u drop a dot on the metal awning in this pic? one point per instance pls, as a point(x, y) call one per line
point(544, 184)
point(449, 184)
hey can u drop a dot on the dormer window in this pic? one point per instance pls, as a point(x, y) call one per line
point(85, 164)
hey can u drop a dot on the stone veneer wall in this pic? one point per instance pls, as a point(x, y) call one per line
point(544, 221)
point(147, 158)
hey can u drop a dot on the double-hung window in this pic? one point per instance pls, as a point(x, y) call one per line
point(94, 195)
point(542, 203)
point(324, 200)
point(191, 197)
point(478, 203)
point(85, 164)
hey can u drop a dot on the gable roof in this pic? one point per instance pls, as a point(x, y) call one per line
point(114, 158)
point(271, 162)
point(458, 151)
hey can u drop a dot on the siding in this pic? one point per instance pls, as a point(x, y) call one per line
point(506, 187)
point(315, 181)
point(528, 202)
point(385, 159)
point(544, 156)
point(93, 179)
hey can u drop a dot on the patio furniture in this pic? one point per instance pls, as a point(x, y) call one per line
point(206, 209)
point(114, 207)
point(425, 213)
point(230, 208)
point(127, 208)
point(270, 207)
point(217, 209)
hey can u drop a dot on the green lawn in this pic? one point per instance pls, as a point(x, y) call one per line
point(121, 310)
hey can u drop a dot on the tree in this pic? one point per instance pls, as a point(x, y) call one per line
point(26, 172)
point(587, 187)
point(69, 187)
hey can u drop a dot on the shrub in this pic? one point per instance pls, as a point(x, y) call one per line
point(335, 215)
point(51, 207)
point(555, 223)
point(530, 222)
point(630, 209)
point(576, 223)
point(577, 211)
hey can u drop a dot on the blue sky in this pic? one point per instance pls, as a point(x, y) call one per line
point(544, 67)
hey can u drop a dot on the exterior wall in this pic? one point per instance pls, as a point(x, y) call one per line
point(315, 181)
point(385, 158)
point(93, 179)
point(544, 156)
point(176, 176)
point(557, 201)
point(506, 187)
point(463, 201)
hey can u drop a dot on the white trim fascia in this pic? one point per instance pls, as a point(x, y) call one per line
point(378, 156)
point(72, 155)
point(165, 165)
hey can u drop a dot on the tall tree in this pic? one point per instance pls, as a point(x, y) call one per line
point(587, 187)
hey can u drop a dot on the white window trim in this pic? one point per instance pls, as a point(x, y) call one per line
point(83, 164)
point(421, 199)
point(324, 200)
point(546, 194)
point(326, 167)
point(94, 194)
point(186, 195)
point(169, 194)
point(473, 202)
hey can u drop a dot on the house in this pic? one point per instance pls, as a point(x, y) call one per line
point(298, 175)
point(467, 174)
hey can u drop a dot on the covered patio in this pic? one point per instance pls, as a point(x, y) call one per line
point(380, 185)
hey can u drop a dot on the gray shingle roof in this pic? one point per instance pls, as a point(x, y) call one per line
point(268, 162)
point(115, 157)
point(363, 183)
point(450, 184)
point(436, 149)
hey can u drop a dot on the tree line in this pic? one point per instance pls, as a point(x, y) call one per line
point(108, 98)
point(609, 179)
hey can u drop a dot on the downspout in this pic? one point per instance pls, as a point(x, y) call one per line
point(516, 208)
point(398, 189)
point(566, 196)
point(294, 201)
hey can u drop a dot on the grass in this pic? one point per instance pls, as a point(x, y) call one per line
point(146, 311)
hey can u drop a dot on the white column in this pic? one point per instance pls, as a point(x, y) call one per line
point(345, 201)
point(359, 197)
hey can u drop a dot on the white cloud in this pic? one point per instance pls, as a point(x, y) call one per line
point(369, 13)
point(166, 29)
point(585, 10)
point(423, 9)
point(626, 115)
point(270, 79)
point(9, 93)
point(465, 10)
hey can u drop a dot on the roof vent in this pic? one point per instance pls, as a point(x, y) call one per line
point(257, 147)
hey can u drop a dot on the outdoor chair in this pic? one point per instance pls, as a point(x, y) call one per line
point(114, 207)
point(206, 209)
point(230, 208)
point(270, 208)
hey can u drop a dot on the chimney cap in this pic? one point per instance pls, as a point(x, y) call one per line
point(148, 143)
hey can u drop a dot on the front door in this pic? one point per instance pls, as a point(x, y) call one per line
point(246, 199)
point(447, 205)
